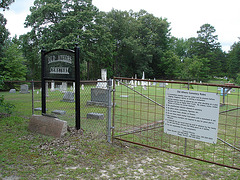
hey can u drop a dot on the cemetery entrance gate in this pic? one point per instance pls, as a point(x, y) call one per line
point(61, 65)
point(138, 118)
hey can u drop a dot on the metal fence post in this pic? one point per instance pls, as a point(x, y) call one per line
point(109, 83)
point(32, 97)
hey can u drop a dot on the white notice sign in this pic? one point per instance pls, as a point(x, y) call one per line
point(192, 114)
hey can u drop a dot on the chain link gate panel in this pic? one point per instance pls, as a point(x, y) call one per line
point(138, 117)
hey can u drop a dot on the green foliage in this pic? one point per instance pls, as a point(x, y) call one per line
point(12, 63)
point(6, 107)
point(238, 79)
point(3, 33)
point(234, 60)
point(6, 3)
point(124, 43)
point(194, 69)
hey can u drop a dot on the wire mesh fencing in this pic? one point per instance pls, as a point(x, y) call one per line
point(60, 102)
point(139, 112)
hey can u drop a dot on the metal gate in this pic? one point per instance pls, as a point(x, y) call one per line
point(138, 117)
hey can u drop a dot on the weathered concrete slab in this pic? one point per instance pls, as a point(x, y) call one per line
point(59, 112)
point(48, 126)
point(38, 109)
point(95, 116)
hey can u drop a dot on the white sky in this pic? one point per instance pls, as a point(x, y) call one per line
point(185, 16)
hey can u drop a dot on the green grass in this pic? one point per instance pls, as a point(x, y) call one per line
point(26, 155)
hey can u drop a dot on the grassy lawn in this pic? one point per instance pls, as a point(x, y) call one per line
point(25, 155)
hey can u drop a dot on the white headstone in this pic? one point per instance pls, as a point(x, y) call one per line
point(52, 86)
point(144, 88)
point(154, 83)
point(131, 82)
point(74, 86)
point(104, 74)
point(149, 83)
point(135, 82)
point(101, 84)
point(144, 83)
point(64, 87)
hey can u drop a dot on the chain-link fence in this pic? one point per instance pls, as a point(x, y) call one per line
point(60, 102)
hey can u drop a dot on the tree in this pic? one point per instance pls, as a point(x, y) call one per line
point(3, 34)
point(206, 45)
point(194, 69)
point(62, 24)
point(12, 66)
point(234, 60)
point(31, 53)
point(5, 3)
point(171, 65)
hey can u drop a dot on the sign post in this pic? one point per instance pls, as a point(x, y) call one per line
point(61, 65)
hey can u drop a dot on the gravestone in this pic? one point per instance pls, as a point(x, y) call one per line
point(135, 82)
point(144, 88)
point(101, 84)
point(104, 74)
point(154, 83)
point(95, 116)
point(59, 112)
point(52, 86)
point(38, 109)
point(68, 97)
point(63, 87)
point(99, 97)
point(73, 86)
point(162, 85)
point(24, 89)
point(124, 96)
point(82, 86)
point(12, 91)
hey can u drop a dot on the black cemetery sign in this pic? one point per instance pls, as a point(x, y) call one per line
point(61, 65)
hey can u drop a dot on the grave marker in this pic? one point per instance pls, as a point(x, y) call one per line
point(24, 89)
point(68, 97)
point(12, 91)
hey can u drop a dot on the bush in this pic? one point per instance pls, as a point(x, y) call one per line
point(5, 108)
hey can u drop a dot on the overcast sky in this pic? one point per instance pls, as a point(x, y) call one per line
point(185, 16)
